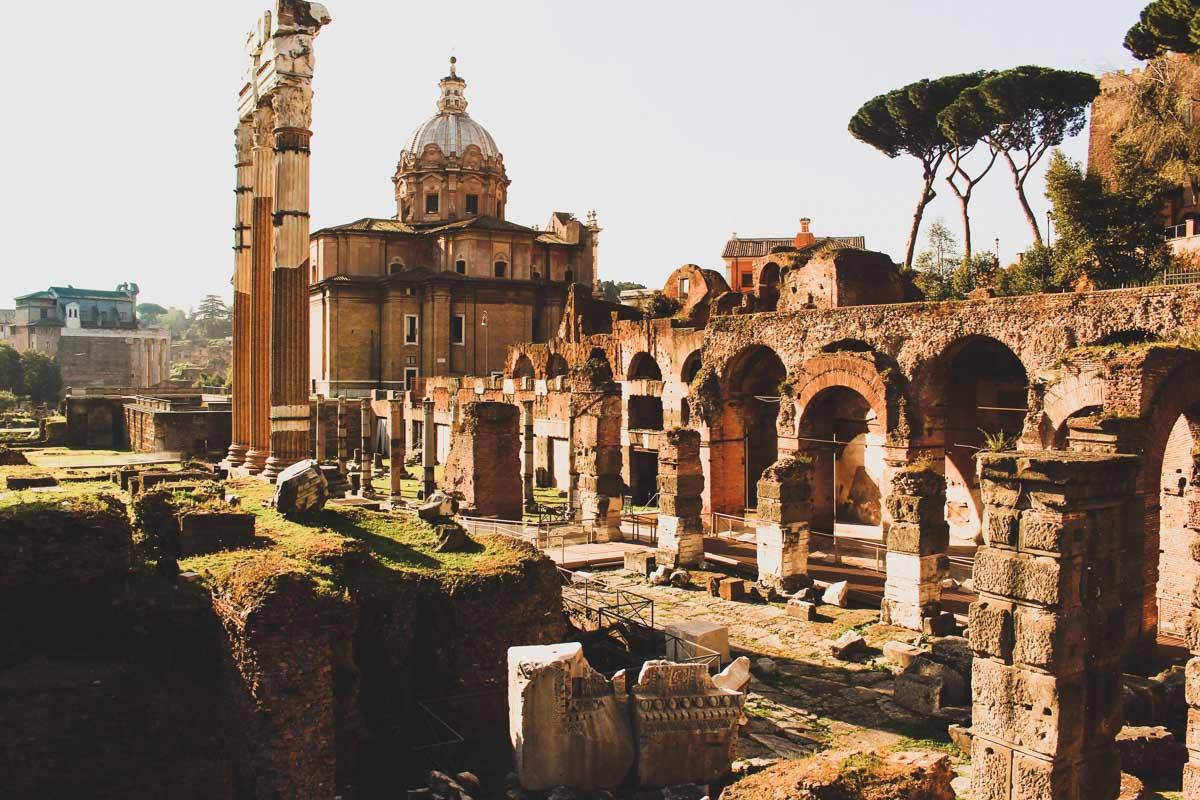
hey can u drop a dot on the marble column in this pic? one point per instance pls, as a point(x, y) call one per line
point(260, 292)
point(527, 450)
point(319, 426)
point(428, 447)
point(396, 453)
point(292, 101)
point(366, 416)
point(243, 266)
point(343, 435)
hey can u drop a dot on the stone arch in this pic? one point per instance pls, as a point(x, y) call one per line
point(643, 367)
point(848, 346)
point(691, 365)
point(522, 367)
point(841, 429)
point(1176, 404)
point(748, 440)
point(851, 372)
point(976, 388)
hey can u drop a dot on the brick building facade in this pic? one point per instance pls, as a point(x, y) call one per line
point(448, 284)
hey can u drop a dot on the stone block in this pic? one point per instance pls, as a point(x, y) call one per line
point(850, 644)
point(566, 724)
point(1191, 683)
point(640, 562)
point(301, 487)
point(686, 485)
point(784, 511)
point(681, 505)
point(712, 585)
point(685, 725)
point(1035, 579)
point(838, 594)
point(782, 554)
point(907, 615)
point(802, 610)
point(201, 533)
point(1061, 534)
point(954, 685)
point(1001, 527)
point(732, 589)
point(990, 622)
point(921, 540)
point(1050, 641)
point(910, 567)
point(735, 677)
point(918, 693)
point(901, 653)
point(991, 769)
point(680, 542)
point(1151, 753)
point(918, 510)
point(689, 633)
point(1036, 712)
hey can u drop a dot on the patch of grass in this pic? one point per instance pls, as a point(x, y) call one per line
point(942, 745)
point(859, 769)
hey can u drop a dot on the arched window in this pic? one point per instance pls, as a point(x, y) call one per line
point(394, 267)
point(460, 266)
point(569, 276)
point(501, 269)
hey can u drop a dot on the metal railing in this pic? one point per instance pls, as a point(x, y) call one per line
point(591, 599)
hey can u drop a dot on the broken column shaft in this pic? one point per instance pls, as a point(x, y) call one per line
point(680, 489)
point(428, 448)
point(396, 454)
point(782, 528)
point(364, 453)
point(916, 549)
point(1048, 629)
point(527, 452)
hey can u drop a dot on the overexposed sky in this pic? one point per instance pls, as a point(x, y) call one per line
point(678, 122)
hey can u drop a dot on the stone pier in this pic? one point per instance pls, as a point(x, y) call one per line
point(343, 436)
point(916, 549)
point(484, 468)
point(365, 415)
point(784, 513)
point(527, 451)
point(680, 489)
point(396, 451)
point(596, 435)
point(319, 431)
point(1048, 629)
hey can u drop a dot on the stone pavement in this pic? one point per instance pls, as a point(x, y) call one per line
point(813, 701)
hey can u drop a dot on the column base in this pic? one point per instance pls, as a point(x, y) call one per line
point(782, 555)
point(236, 456)
point(256, 461)
point(680, 541)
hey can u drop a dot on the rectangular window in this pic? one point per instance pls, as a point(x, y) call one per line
point(410, 378)
point(472, 204)
point(431, 203)
point(684, 285)
point(747, 280)
point(410, 329)
point(458, 329)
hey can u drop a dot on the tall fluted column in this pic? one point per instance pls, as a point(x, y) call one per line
point(428, 447)
point(396, 451)
point(289, 278)
point(262, 258)
point(243, 265)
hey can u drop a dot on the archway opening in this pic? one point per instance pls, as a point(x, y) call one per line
point(556, 366)
point(756, 376)
point(986, 394)
point(643, 367)
point(767, 288)
point(1176, 569)
point(523, 368)
point(843, 435)
point(691, 366)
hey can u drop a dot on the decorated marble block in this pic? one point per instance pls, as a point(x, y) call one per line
point(568, 725)
point(686, 726)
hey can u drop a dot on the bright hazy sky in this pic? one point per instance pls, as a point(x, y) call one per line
point(678, 122)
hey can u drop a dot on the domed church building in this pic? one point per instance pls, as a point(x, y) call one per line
point(445, 286)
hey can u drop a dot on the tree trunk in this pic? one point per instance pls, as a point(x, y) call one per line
point(927, 195)
point(965, 200)
point(1019, 183)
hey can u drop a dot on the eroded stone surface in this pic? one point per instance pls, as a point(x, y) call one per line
point(566, 724)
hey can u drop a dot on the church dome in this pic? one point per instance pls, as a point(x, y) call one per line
point(452, 129)
point(453, 133)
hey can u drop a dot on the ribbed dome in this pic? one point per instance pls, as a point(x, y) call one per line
point(453, 133)
point(452, 129)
